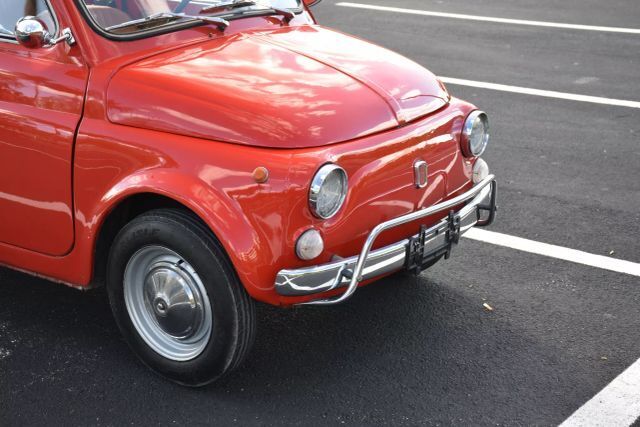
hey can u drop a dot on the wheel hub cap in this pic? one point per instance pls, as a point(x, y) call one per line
point(172, 296)
point(167, 303)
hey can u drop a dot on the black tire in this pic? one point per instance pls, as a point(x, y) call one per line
point(232, 310)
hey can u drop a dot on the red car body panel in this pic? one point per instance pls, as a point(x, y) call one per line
point(267, 100)
point(265, 89)
point(147, 126)
point(41, 101)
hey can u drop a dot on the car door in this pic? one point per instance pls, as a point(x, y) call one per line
point(41, 99)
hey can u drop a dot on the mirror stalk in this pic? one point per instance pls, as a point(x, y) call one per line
point(32, 33)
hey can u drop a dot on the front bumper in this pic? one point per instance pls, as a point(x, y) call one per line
point(412, 253)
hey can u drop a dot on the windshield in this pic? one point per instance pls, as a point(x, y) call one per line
point(123, 17)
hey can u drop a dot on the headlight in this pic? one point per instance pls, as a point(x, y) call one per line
point(328, 191)
point(475, 134)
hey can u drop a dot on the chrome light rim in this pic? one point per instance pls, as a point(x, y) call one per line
point(167, 303)
point(317, 183)
point(468, 129)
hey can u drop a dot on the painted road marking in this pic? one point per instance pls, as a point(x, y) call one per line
point(540, 92)
point(553, 251)
point(618, 404)
point(490, 18)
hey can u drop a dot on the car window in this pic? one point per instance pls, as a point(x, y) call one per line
point(124, 16)
point(12, 10)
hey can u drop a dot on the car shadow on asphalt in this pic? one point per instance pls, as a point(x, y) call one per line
point(410, 343)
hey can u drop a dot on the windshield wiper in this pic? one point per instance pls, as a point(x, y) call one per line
point(3, 30)
point(170, 16)
point(236, 4)
point(224, 6)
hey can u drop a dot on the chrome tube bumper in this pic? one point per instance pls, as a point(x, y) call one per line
point(412, 253)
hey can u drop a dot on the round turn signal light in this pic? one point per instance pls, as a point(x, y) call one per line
point(261, 174)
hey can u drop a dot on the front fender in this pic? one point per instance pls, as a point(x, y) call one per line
point(221, 214)
point(214, 180)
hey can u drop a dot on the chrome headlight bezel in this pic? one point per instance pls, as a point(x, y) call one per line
point(467, 133)
point(318, 181)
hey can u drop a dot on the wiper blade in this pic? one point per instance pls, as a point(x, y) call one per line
point(170, 16)
point(223, 7)
point(236, 4)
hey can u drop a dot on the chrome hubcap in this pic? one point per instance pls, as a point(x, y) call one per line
point(167, 303)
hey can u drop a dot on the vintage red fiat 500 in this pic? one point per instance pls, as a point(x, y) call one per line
point(197, 155)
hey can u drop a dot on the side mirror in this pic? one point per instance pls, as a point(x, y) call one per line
point(310, 3)
point(32, 33)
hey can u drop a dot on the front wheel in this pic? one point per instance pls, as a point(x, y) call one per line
point(176, 298)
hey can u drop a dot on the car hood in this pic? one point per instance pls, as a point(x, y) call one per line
point(294, 87)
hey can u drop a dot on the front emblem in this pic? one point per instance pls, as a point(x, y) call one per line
point(420, 170)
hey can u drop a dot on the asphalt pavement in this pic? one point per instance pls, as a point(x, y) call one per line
point(414, 350)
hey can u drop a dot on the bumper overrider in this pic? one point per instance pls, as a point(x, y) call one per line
point(413, 254)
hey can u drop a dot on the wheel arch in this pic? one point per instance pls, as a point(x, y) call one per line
point(212, 208)
point(117, 217)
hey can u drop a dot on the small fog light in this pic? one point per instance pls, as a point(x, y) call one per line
point(480, 171)
point(309, 245)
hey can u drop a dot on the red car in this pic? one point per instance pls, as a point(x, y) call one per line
point(194, 156)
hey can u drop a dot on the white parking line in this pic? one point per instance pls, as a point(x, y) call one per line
point(618, 404)
point(553, 251)
point(490, 18)
point(540, 92)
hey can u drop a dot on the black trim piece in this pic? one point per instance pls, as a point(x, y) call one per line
point(167, 28)
point(492, 208)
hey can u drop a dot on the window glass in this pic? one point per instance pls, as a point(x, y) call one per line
point(132, 16)
point(12, 10)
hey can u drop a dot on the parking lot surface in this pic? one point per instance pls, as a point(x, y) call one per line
point(414, 350)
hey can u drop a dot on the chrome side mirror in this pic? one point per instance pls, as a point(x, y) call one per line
point(32, 33)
